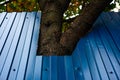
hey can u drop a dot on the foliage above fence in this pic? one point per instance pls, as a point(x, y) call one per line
point(19, 5)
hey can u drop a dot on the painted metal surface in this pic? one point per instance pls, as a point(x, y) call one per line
point(96, 56)
point(18, 44)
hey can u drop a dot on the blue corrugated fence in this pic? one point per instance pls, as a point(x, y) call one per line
point(96, 56)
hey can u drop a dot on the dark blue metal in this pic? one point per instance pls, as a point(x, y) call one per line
point(37, 71)
point(96, 56)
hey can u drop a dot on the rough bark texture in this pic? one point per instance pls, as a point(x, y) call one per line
point(50, 32)
point(51, 40)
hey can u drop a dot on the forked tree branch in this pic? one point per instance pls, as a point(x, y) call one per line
point(83, 23)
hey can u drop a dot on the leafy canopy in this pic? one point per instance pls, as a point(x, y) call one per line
point(75, 6)
point(19, 5)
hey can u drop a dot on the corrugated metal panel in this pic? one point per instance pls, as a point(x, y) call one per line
point(18, 43)
point(96, 57)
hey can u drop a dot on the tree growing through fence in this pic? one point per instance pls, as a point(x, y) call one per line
point(63, 23)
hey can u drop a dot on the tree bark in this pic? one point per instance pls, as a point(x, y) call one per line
point(51, 40)
point(50, 32)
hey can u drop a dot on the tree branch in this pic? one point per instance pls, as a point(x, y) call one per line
point(50, 40)
point(82, 24)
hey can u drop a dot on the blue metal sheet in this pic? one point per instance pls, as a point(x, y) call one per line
point(4, 32)
point(7, 43)
point(2, 16)
point(19, 35)
point(37, 71)
point(10, 52)
point(32, 56)
point(25, 51)
point(18, 53)
point(96, 56)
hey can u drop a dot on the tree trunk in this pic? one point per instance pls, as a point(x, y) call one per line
point(51, 40)
point(50, 32)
